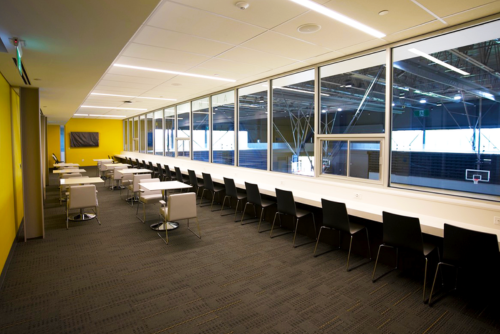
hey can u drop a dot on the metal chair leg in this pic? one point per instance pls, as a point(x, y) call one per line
point(376, 261)
point(198, 224)
point(349, 253)
point(224, 203)
point(434, 283)
point(317, 241)
point(236, 210)
point(243, 214)
point(272, 226)
point(202, 193)
point(295, 233)
point(425, 278)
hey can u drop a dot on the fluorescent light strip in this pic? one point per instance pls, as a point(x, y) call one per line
point(98, 107)
point(339, 17)
point(135, 97)
point(173, 72)
point(437, 61)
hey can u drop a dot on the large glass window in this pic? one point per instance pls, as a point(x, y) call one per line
point(446, 114)
point(169, 115)
point(184, 130)
point(149, 133)
point(130, 134)
point(353, 96)
point(201, 129)
point(252, 127)
point(158, 135)
point(125, 135)
point(223, 134)
point(142, 133)
point(293, 124)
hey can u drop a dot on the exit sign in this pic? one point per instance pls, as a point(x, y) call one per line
point(421, 113)
point(19, 55)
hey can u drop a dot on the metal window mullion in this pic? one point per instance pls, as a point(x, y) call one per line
point(210, 128)
point(317, 115)
point(385, 167)
point(269, 125)
point(348, 158)
point(236, 128)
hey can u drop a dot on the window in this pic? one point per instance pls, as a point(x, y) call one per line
point(125, 135)
point(149, 133)
point(293, 124)
point(158, 135)
point(130, 140)
point(201, 129)
point(252, 127)
point(352, 158)
point(223, 134)
point(184, 130)
point(169, 116)
point(353, 96)
point(142, 133)
point(136, 134)
point(446, 117)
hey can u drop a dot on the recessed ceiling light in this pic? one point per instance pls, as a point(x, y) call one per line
point(98, 107)
point(173, 72)
point(308, 28)
point(242, 5)
point(135, 97)
point(339, 17)
point(383, 12)
point(437, 61)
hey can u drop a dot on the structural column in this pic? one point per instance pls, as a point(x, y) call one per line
point(31, 146)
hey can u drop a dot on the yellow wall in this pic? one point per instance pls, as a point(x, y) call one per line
point(53, 143)
point(7, 194)
point(110, 140)
point(18, 160)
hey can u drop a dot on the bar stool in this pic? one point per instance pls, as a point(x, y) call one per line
point(286, 206)
point(232, 192)
point(255, 199)
point(403, 232)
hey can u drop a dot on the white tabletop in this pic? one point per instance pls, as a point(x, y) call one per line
point(64, 171)
point(164, 185)
point(115, 165)
point(134, 171)
point(66, 164)
point(81, 180)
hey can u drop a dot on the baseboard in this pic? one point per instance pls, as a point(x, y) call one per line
point(11, 253)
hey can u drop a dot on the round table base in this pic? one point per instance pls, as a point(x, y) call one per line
point(82, 217)
point(161, 227)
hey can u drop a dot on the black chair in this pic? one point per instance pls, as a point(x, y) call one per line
point(161, 175)
point(335, 217)
point(168, 174)
point(131, 163)
point(153, 169)
point(138, 163)
point(403, 232)
point(208, 185)
point(468, 249)
point(232, 192)
point(144, 164)
point(286, 206)
point(180, 177)
point(254, 198)
point(55, 159)
point(193, 180)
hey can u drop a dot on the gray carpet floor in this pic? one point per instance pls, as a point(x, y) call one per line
point(120, 277)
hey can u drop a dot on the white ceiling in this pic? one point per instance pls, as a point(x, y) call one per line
point(215, 38)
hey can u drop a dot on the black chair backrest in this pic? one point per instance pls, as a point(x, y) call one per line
point(230, 187)
point(160, 170)
point(55, 158)
point(151, 166)
point(207, 181)
point(253, 193)
point(168, 173)
point(109, 157)
point(402, 231)
point(469, 248)
point(144, 165)
point(192, 179)
point(138, 163)
point(178, 174)
point(285, 202)
point(335, 215)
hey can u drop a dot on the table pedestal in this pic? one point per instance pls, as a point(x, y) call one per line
point(82, 216)
point(161, 227)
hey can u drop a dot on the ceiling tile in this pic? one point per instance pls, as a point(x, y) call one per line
point(284, 46)
point(142, 51)
point(177, 41)
point(229, 68)
point(124, 84)
point(473, 14)
point(192, 21)
point(151, 64)
point(254, 57)
point(129, 78)
point(415, 31)
point(143, 74)
point(448, 7)
point(263, 13)
point(118, 90)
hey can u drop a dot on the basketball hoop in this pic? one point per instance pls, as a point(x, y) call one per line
point(476, 180)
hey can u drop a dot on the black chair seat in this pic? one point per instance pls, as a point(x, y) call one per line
point(241, 196)
point(218, 188)
point(355, 228)
point(428, 248)
point(301, 212)
point(266, 203)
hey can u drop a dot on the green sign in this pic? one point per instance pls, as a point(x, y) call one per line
point(19, 54)
point(421, 113)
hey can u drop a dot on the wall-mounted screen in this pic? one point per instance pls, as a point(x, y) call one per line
point(84, 139)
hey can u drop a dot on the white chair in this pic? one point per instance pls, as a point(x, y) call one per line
point(63, 188)
point(103, 169)
point(134, 187)
point(180, 206)
point(82, 197)
point(119, 177)
point(147, 196)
